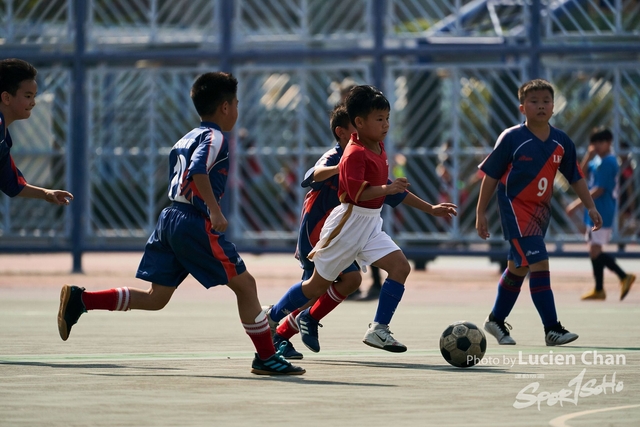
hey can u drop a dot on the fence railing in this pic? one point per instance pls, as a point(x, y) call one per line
point(114, 78)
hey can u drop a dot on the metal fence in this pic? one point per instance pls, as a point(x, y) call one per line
point(114, 78)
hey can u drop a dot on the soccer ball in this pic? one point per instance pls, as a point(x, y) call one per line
point(462, 344)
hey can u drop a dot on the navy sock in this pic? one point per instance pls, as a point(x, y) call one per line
point(508, 291)
point(292, 299)
point(598, 272)
point(542, 296)
point(390, 296)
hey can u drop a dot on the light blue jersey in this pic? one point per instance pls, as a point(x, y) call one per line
point(603, 173)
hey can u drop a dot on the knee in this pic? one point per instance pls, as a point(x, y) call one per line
point(243, 285)
point(349, 283)
point(400, 271)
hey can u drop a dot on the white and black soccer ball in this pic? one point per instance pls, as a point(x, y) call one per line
point(462, 344)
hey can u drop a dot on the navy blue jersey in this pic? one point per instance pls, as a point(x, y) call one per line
point(320, 201)
point(11, 180)
point(204, 150)
point(526, 168)
point(183, 242)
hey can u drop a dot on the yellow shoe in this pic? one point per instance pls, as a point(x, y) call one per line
point(625, 285)
point(599, 295)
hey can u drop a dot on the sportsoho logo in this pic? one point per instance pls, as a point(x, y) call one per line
point(581, 386)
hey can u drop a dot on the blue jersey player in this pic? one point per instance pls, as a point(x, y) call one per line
point(18, 90)
point(189, 236)
point(523, 166)
point(601, 167)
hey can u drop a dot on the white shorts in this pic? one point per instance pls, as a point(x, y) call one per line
point(599, 237)
point(350, 233)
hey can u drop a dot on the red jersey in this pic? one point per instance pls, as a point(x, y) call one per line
point(359, 169)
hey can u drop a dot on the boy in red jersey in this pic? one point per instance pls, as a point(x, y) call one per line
point(353, 230)
point(523, 166)
point(189, 236)
point(18, 90)
point(323, 180)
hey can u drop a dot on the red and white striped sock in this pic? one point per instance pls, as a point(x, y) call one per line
point(260, 334)
point(118, 299)
point(326, 303)
point(288, 328)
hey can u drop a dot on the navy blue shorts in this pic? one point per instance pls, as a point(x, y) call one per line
point(183, 243)
point(527, 250)
point(307, 267)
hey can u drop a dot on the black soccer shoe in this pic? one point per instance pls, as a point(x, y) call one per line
point(71, 308)
point(275, 365)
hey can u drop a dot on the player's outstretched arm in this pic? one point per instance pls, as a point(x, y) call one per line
point(448, 210)
point(322, 173)
point(487, 188)
point(373, 192)
point(56, 197)
point(581, 189)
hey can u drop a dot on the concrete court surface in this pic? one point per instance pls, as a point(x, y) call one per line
point(188, 364)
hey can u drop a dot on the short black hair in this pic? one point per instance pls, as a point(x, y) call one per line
point(210, 90)
point(339, 117)
point(532, 85)
point(600, 134)
point(13, 72)
point(363, 99)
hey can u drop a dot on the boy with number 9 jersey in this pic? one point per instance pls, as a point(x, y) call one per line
point(523, 166)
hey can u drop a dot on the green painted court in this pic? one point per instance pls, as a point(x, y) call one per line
point(189, 364)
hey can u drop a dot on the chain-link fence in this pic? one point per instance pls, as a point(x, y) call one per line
point(114, 79)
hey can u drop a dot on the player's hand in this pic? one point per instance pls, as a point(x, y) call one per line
point(595, 218)
point(398, 186)
point(481, 227)
point(218, 222)
point(448, 210)
point(58, 197)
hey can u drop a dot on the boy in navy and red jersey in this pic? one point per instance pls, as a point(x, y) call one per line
point(353, 230)
point(18, 90)
point(189, 236)
point(321, 199)
point(523, 166)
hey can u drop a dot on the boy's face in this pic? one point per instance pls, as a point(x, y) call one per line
point(537, 106)
point(374, 127)
point(602, 148)
point(230, 115)
point(19, 107)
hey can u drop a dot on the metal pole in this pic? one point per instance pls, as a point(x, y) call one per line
point(78, 184)
point(379, 7)
point(534, 39)
point(226, 35)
